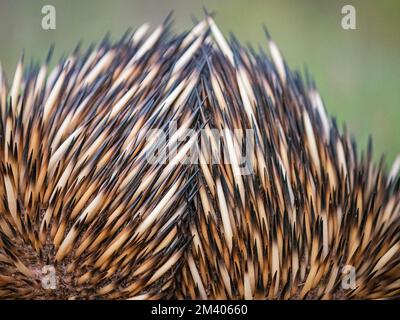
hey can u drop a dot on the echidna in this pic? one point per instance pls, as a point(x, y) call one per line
point(310, 207)
point(79, 194)
point(77, 191)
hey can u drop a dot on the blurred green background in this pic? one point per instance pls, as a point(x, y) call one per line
point(357, 71)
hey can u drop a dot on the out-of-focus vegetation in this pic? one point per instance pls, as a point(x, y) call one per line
point(357, 71)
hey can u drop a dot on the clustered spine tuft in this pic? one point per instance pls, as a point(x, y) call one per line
point(77, 190)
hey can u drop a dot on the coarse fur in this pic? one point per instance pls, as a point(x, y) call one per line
point(311, 209)
point(78, 192)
